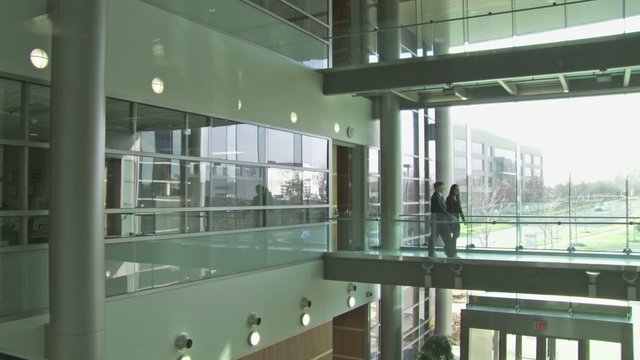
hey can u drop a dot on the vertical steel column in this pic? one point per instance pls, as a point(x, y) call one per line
point(583, 349)
point(502, 345)
point(541, 348)
point(76, 252)
point(391, 229)
point(444, 172)
point(391, 181)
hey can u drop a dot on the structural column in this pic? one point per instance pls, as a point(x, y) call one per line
point(76, 252)
point(390, 180)
point(444, 173)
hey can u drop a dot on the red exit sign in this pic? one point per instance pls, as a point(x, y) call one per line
point(540, 325)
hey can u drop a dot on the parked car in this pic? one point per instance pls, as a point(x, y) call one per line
point(600, 207)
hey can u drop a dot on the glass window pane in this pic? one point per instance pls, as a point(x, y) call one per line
point(198, 136)
point(39, 113)
point(159, 223)
point(10, 234)
point(223, 180)
point(120, 173)
point(314, 152)
point(222, 142)
point(38, 178)
point(198, 183)
point(196, 221)
point(280, 147)
point(10, 110)
point(159, 183)
point(407, 131)
point(120, 126)
point(285, 185)
point(10, 184)
point(160, 130)
point(315, 187)
point(528, 22)
point(374, 164)
point(38, 227)
point(247, 181)
point(247, 142)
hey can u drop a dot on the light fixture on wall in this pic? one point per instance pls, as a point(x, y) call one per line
point(39, 58)
point(183, 342)
point(293, 117)
point(336, 128)
point(305, 318)
point(351, 290)
point(157, 85)
point(254, 336)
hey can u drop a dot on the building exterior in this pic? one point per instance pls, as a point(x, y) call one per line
point(173, 175)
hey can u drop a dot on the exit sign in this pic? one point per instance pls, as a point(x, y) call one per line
point(540, 325)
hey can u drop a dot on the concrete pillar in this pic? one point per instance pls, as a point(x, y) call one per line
point(76, 251)
point(391, 181)
point(444, 172)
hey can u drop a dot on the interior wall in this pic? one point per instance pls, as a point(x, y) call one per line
point(204, 71)
point(313, 344)
point(214, 313)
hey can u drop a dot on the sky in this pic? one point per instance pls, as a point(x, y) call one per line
point(591, 138)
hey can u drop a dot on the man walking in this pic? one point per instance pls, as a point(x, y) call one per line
point(440, 219)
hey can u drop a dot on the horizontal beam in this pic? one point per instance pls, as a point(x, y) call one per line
point(558, 58)
point(568, 278)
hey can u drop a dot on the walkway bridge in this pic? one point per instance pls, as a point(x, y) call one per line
point(609, 276)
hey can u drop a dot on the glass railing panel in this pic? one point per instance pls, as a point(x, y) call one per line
point(143, 265)
point(297, 39)
point(24, 281)
point(499, 27)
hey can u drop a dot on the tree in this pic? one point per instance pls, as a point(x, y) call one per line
point(487, 205)
point(437, 347)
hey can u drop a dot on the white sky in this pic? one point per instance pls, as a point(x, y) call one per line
point(592, 138)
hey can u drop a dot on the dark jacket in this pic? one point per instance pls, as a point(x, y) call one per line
point(454, 207)
point(439, 208)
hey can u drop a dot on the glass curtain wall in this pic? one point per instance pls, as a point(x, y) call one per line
point(532, 184)
point(186, 196)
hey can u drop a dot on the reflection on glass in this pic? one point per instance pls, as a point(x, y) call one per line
point(315, 187)
point(10, 184)
point(159, 183)
point(38, 178)
point(198, 183)
point(223, 184)
point(10, 110)
point(247, 143)
point(120, 125)
point(280, 149)
point(314, 152)
point(160, 130)
point(39, 113)
point(9, 231)
point(38, 229)
point(143, 265)
point(248, 180)
point(223, 140)
point(285, 185)
point(197, 136)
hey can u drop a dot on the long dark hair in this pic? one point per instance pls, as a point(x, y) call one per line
point(456, 198)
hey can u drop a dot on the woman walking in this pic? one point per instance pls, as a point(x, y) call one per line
point(455, 208)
